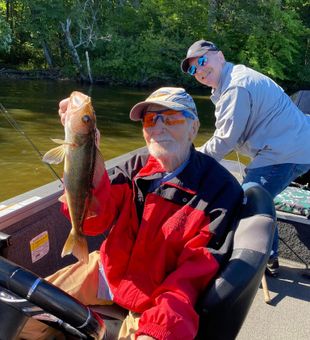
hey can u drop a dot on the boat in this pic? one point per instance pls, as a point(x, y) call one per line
point(32, 234)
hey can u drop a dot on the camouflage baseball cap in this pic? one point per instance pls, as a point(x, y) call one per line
point(175, 98)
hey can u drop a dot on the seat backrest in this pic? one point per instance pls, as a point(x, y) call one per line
point(302, 101)
point(227, 300)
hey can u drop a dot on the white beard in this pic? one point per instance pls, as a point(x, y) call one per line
point(170, 154)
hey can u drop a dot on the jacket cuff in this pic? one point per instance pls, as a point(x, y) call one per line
point(155, 331)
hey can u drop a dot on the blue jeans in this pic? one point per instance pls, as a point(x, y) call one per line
point(274, 178)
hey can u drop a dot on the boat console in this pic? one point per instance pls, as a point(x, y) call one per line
point(23, 294)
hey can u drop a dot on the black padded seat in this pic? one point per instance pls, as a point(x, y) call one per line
point(227, 301)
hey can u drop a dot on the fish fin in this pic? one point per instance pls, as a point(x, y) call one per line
point(55, 155)
point(93, 208)
point(77, 246)
point(58, 141)
point(63, 142)
point(99, 168)
point(90, 214)
point(63, 198)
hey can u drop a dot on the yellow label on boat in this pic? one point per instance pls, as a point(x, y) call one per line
point(39, 246)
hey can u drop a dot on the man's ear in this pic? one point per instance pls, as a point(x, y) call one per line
point(221, 56)
point(194, 129)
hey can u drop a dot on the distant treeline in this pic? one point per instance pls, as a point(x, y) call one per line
point(141, 42)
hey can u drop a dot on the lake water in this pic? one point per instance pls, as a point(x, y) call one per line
point(34, 106)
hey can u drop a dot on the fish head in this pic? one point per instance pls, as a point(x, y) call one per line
point(80, 118)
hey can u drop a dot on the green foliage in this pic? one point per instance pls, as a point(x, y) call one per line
point(5, 35)
point(141, 42)
point(26, 56)
point(260, 34)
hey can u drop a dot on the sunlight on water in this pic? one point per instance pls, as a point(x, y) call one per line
point(34, 106)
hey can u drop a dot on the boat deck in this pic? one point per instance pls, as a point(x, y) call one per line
point(288, 314)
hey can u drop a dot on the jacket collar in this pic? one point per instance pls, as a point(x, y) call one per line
point(216, 93)
point(186, 180)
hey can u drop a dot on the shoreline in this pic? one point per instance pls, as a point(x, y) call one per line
point(33, 74)
point(56, 75)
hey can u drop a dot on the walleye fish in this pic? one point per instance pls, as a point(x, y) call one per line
point(83, 168)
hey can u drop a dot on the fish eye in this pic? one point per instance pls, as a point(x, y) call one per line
point(86, 119)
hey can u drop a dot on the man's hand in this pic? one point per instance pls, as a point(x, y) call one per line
point(63, 105)
point(145, 337)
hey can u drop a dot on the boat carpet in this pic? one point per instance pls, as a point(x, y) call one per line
point(294, 232)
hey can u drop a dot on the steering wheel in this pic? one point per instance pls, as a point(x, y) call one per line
point(32, 295)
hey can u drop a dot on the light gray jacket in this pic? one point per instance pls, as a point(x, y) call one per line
point(256, 118)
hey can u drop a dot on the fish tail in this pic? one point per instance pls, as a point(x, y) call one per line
point(76, 245)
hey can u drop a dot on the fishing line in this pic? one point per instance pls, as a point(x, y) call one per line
point(15, 126)
point(240, 169)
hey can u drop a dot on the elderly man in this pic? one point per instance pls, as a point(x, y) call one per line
point(167, 212)
point(255, 117)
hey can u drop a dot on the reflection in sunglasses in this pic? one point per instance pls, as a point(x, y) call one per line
point(201, 61)
point(168, 117)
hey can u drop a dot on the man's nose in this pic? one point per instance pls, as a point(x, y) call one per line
point(159, 123)
point(159, 117)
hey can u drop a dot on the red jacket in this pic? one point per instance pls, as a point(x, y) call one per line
point(158, 253)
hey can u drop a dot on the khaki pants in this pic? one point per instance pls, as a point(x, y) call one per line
point(81, 282)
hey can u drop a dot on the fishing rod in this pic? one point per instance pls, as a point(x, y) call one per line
point(15, 126)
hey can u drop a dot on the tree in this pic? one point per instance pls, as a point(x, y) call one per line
point(43, 25)
point(5, 35)
point(266, 35)
point(137, 42)
point(85, 33)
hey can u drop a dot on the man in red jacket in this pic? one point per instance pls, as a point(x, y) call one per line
point(167, 212)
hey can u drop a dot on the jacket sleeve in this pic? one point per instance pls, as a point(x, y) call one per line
point(232, 114)
point(173, 315)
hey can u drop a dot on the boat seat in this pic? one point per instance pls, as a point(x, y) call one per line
point(302, 100)
point(224, 306)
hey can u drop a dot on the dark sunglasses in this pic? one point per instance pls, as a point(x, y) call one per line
point(201, 61)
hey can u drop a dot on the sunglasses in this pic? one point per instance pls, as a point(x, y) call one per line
point(169, 117)
point(201, 61)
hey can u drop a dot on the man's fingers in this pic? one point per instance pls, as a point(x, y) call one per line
point(63, 105)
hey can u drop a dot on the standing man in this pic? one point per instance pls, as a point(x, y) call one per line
point(254, 117)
